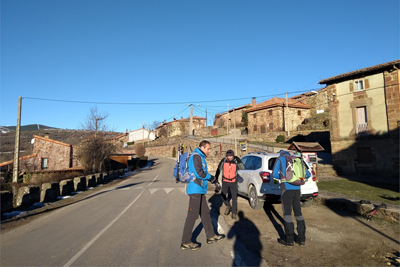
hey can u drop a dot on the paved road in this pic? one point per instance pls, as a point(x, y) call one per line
point(137, 222)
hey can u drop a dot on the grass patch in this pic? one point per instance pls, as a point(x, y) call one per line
point(387, 193)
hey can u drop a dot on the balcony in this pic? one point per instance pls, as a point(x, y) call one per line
point(362, 128)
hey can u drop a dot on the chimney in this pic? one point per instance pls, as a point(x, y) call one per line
point(253, 102)
point(46, 135)
point(174, 119)
point(181, 117)
point(126, 130)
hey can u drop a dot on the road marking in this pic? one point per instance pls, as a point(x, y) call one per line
point(168, 189)
point(74, 258)
point(152, 190)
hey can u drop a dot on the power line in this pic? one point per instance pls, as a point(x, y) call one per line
point(153, 103)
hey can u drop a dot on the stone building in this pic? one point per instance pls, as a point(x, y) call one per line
point(231, 117)
point(54, 155)
point(317, 99)
point(120, 140)
point(272, 115)
point(179, 127)
point(365, 119)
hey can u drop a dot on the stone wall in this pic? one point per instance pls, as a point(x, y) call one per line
point(273, 119)
point(392, 91)
point(232, 117)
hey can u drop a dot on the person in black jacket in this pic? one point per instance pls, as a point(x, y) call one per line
point(228, 167)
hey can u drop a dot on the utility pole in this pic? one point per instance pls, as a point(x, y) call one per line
point(234, 127)
point(227, 120)
point(285, 117)
point(206, 117)
point(16, 149)
point(191, 120)
point(148, 137)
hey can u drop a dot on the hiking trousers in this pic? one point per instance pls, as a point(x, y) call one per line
point(291, 199)
point(225, 196)
point(197, 206)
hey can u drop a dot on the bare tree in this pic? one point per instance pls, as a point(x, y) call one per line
point(95, 150)
point(154, 125)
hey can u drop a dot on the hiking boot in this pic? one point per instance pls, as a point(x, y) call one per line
point(215, 238)
point(302, 243)
point(234, 216)
point(228, 210)
point(191, 246)
point(283, 242)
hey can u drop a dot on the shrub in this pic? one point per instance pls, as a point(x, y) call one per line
point(140, 150)
point(280, 139)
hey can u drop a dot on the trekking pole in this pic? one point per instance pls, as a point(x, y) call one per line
point(177, 171)
point(368, 217)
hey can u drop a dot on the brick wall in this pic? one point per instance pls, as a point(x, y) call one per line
point(392, 80)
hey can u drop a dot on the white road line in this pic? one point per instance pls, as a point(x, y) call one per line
point(74, 258)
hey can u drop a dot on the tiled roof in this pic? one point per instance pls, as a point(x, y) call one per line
point(117, 136)
point(5, 163)
point(307, 93)
point(182, 120)
point(241, 107)
point(278, 102)
point(51, 140)
point(360, 71)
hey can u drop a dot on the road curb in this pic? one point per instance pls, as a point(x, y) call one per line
point(390, 213)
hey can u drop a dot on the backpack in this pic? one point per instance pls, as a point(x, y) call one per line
point(183, 174)
point(229, 171)
point(295, 170)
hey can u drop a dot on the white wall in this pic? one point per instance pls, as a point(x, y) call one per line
point(140, 134)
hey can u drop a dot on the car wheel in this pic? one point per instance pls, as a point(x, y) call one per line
point(254, 202)
point(306, 203)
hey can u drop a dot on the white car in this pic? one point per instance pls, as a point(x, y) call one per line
point(257, 184)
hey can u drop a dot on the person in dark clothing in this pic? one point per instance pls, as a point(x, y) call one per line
point(229, 166)
point(197, 190)
point(290, 195)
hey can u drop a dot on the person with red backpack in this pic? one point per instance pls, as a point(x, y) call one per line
point(228, 167)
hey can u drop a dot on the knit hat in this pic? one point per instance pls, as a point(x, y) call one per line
point(230, 153)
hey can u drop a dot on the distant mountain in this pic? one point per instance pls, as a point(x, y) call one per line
point(29, 127)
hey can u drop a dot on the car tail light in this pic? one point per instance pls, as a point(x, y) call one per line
point(265, 177)
point(313, 176)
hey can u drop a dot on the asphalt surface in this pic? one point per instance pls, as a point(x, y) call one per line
point(137, 222)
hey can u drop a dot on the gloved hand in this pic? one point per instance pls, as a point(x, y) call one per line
point(217, 187)
point(213, 179)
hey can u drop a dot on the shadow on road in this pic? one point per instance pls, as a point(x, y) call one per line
point(247, 238)
point(273, 216)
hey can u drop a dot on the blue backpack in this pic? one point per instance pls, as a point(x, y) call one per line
point(183, 175)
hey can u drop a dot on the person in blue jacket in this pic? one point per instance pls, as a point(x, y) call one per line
point(197, 190)
point(290, 197)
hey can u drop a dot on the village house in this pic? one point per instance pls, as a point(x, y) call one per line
point(120, 140)
point(179, 127)
point(51, 155)
point(141, 135)
point(272, 115)
point(233, 117)
point(318, 99)
point(365, 119)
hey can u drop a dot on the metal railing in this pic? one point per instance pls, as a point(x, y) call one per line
point(362, 128)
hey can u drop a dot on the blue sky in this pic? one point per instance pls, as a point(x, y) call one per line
point(180, 52)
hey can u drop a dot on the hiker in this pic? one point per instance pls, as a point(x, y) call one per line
point(290, 197)
point(197, 190)
point(229, 166)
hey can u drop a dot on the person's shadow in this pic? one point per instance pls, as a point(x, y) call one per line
point(216, 203)
point(272, 213)
point(247, 239)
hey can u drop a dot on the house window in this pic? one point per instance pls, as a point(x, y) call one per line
point(359, 85)
point(271, 126)
point(362, 122)
point(299, 112)
point(262, 128)
point(364, 155)
point(255, 128)
point(44, 163)
point(255, 115)
point(270, 112)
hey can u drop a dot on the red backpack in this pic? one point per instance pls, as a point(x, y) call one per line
point(229, 174)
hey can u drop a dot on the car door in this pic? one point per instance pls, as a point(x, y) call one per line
point(250, 165)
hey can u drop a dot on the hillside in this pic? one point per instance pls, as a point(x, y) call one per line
point(29, 127)
point(7, 140)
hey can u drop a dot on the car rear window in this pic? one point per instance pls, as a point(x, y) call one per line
point(271, 163)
